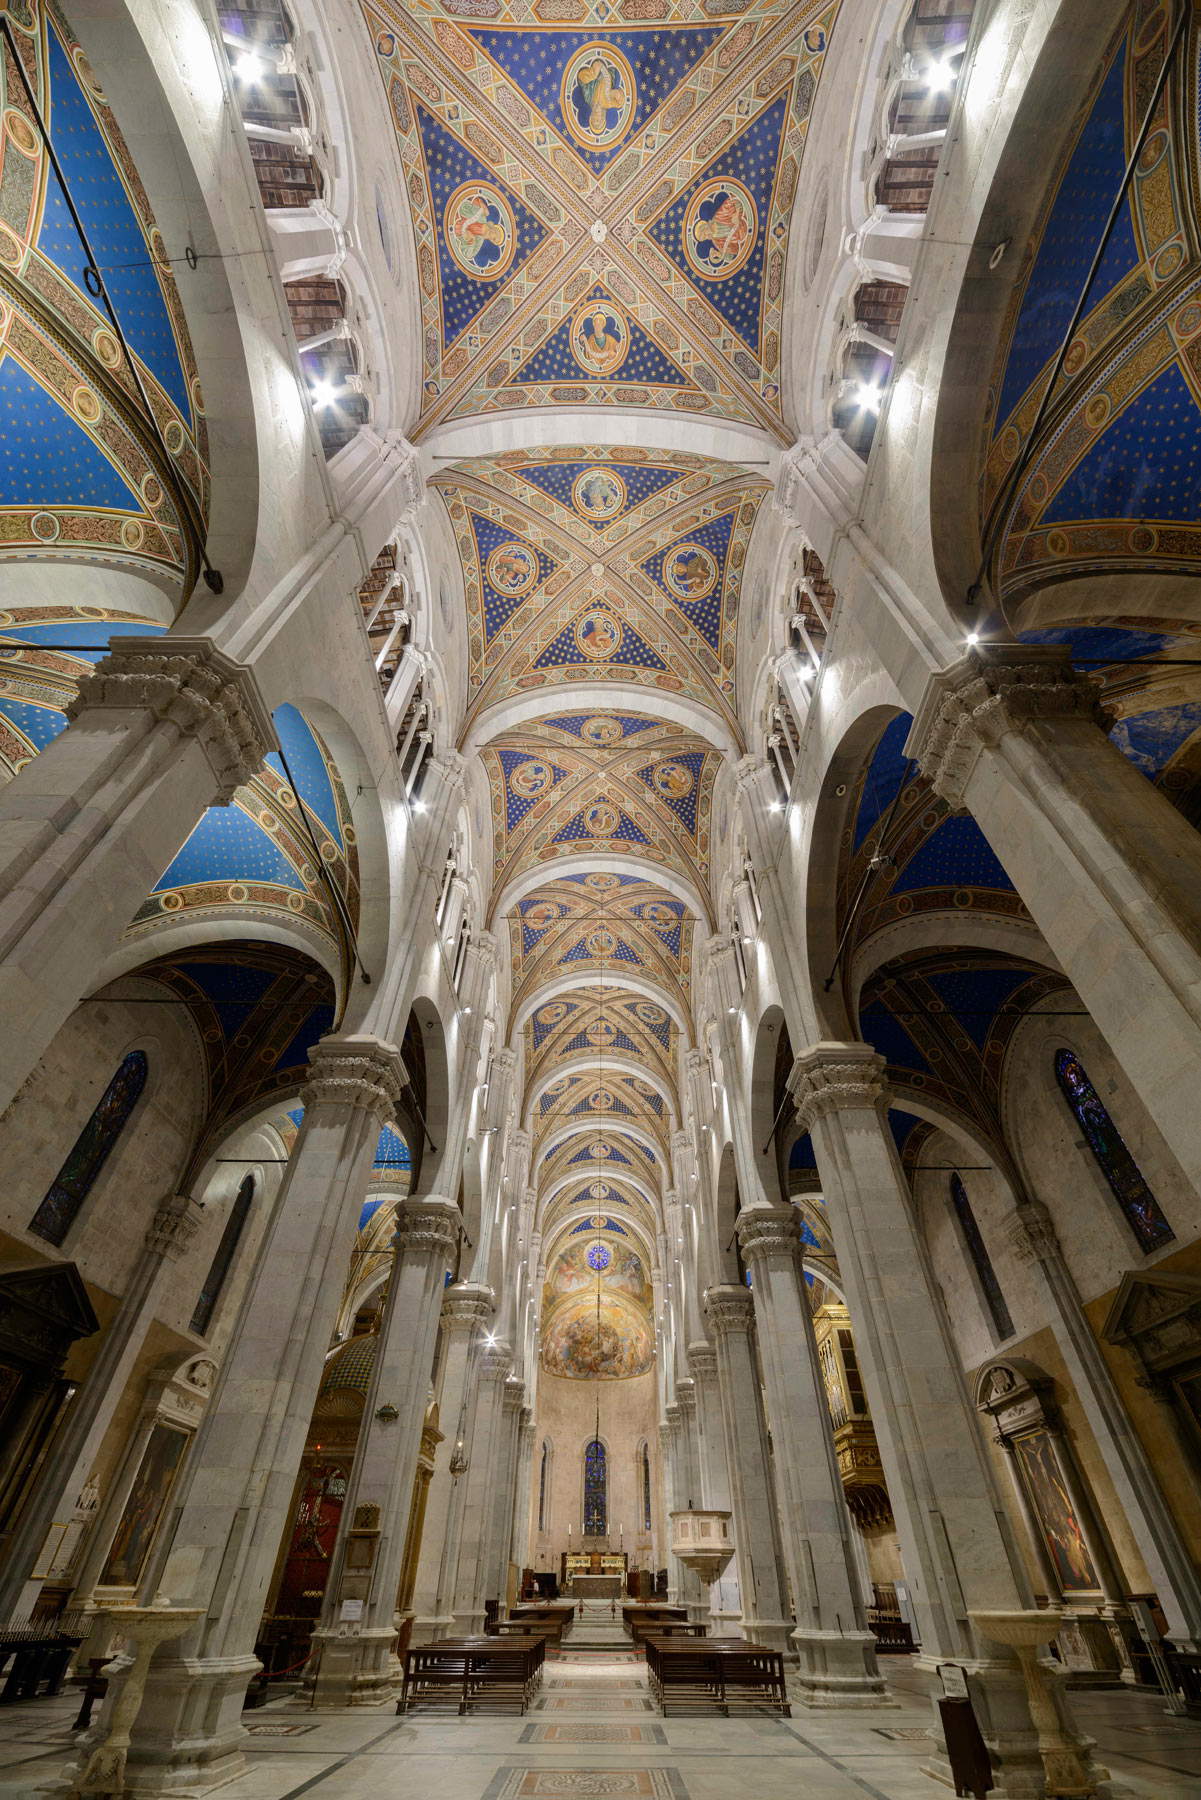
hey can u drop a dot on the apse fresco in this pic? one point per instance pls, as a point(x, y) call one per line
point(576, 1270)
point(574, 1345)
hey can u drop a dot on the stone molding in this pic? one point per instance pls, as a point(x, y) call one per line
point(994, 690)
point(729, 1309)
point(357, 1072)
point(467, 1304)
point(674, 1415)
point(686, 1395)
point(702, 1360)
point(1030, 1232)
point(427, 1222)
point(828, 1078)
point(774, 1232)
point(406, 465)
point(188, 683)
point(514, 1395)
point(496, 1363)
point(175, 1224)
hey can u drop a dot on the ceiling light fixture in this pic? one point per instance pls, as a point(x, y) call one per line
point(939, 77)
point(868, 396)
point(249, 67)
point(323, 393)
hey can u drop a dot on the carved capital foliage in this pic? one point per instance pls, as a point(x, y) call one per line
point(496, 1363)
point(199, 690)
point(427, 1224)
point(357, 1072)
point(514, 1395)
point(831, 1077)
point(702, 1360)
point(175, 1224)
point(467, 1305)
point(685, 1396)
point(990, 692)
point(770, 1234)
point(729, 1309)
point(406, 460)
point(1031, 1233)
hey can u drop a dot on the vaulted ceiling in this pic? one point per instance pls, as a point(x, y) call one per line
point(601, 193)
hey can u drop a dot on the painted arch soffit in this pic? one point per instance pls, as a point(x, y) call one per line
point(572, 926)
point(601, 209)
point(584, 1066)
point(600, 1100)
point(596, 1020)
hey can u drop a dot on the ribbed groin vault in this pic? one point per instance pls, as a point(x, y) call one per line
point(600, 776)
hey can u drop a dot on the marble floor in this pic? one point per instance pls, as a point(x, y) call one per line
point(594, 1732)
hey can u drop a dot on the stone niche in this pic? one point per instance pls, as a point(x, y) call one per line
point(1076, 1564)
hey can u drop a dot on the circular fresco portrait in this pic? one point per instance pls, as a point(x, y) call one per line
point(601, 1033)
point(480, 233)
point(650, 1015)
point(552, 1013)
point(601, 820)
point(602, 730)
point(598, 495)
point(598, 96)
point(539, 914)
point(721, 228)
point(660, 916)
point(598, 1191)
point(600, 337)
point(600, 942)
point(598, 635)
point(529, 779)
point(690, 572)
point(601, 1100)
point(555, 1088)
point(601, 882)
point(599, 1257)
point(599, 1150)
point(511, 569)
point(674, 780)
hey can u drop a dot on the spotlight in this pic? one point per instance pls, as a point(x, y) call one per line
point(775, 806)
point(419, 806)
point(868, 396)
point(249, 67)
point(939, 77)
point(324, 393)
point(973, 637)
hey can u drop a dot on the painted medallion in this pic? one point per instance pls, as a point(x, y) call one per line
point(480, 232)
point(598, 635)
point(690, 572)
point(600, 337)
point(721, 228)
point(598, 96)
point(511, 569)
point(598, 495)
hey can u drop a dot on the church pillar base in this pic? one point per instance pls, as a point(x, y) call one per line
point(838, 1668)
point(773, 1634)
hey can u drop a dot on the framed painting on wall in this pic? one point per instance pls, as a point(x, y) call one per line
point(1042, 1476)
point(144, 1509)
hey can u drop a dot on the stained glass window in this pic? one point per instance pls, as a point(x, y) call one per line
point(596, 1490)
point(599, 1257)
point(976, 1248)
point(1139, 1205)
point(646, 1488)
point(219, 1268)
point(90, 1151)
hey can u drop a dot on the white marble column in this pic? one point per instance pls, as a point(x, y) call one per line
point(765, 1612)
point(837, 1651)
point(162, 728)
point(499, 1552)
point(77, 1444)
point(357, 1654)
point(237, 1489)
point(467, 1309)
point(725, 1603)
point(485, 1473)
point(1109, 869)
point(519, 1541)
point(958, 1550)
point(693, 1592)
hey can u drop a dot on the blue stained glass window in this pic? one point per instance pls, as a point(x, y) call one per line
point(90, 1151)
point(596, 1490)
point(1139, 1205)
point(982, 1262)
point(222, 1262)
point(599, 1257)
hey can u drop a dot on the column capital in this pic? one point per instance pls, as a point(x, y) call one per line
point(729, 1309)
point(427, 1222)
point(686, 1394)
point(1030, 1232)
point(514, 1394)
point(674, 1415)
point(766, 1232)
point(175, 1223)
point(496, 1363)
point(994, 690)
point(357, 1071)
point(467, 1304)
point(189, 683)
point(830, 1076)
point(702, 1360)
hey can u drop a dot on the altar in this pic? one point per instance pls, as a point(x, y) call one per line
point(594, 1574)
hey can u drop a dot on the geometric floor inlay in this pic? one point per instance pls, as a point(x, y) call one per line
point(586, 1784)
point(593, 1734)
point(269, 1730)
point(577, 1682)
point(903, 1734)
point(608, 1703)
